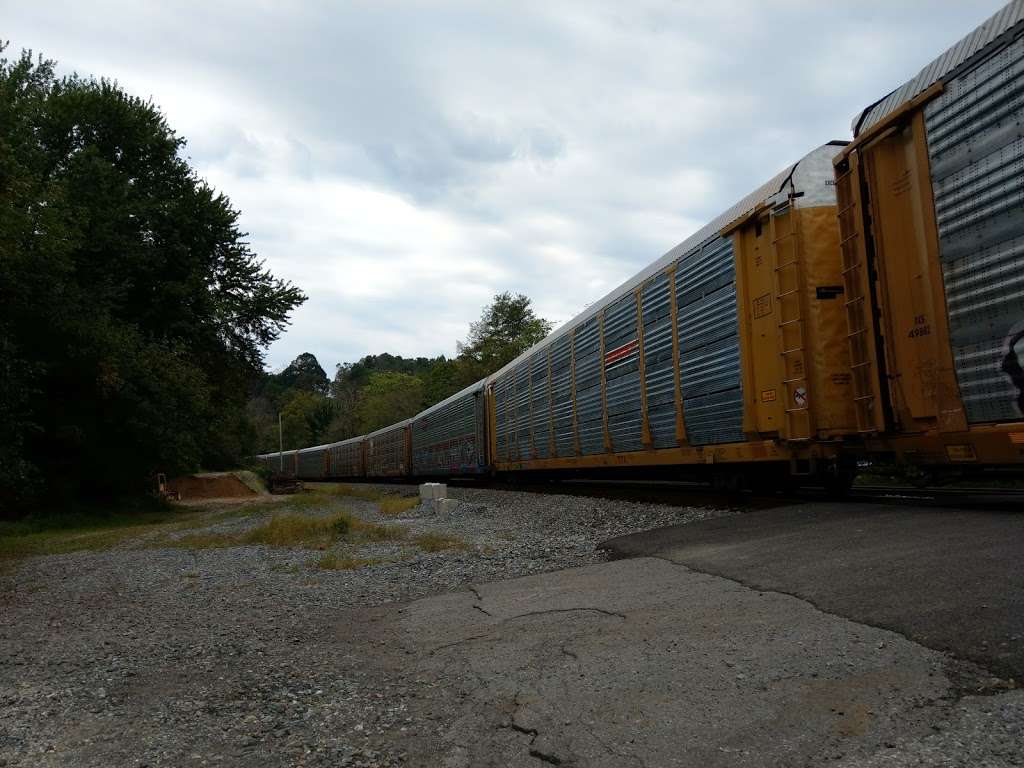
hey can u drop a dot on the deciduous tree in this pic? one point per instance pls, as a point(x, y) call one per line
point(507, 327)
point(387, 398)
point(133, 314)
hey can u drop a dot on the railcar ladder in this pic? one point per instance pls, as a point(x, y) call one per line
point(858, 328)
point(789, 286)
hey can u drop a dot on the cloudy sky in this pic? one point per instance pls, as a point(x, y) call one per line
point(402, 162)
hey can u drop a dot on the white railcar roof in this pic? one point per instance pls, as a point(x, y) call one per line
point(382, 430)
point(809, 175)
point(474, 387)
point(1004, 24)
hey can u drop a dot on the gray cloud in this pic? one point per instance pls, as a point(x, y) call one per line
point(403, 161)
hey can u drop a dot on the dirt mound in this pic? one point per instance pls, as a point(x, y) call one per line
point(221, 486)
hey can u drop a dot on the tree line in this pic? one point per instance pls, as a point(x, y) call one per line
point(134, 316)
point(379, 390)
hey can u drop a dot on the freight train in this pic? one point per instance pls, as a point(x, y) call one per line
point(867, 302)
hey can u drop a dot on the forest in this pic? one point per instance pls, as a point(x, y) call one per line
point(135, 316)
point(379, 390)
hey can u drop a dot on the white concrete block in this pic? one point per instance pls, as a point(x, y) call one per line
point(446, 506)
point(430, 491)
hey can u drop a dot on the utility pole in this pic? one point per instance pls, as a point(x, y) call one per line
point(280, 443)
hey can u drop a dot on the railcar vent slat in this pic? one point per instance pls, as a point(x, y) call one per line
point(976, 155)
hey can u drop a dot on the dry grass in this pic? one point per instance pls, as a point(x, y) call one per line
point(360, 492)
point(99, 530)
point(396, 505)
point(295, 530)
point(161, 525)
point(310, 500)
point(438, 542)
point(389, 503)
point(197, 541)
point(332, 561)
point(376, 532)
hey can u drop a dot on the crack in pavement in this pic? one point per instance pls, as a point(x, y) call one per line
point(472, 588)
point(544, 757)
point(533, 733)
point(566, 610)
point(996, 685)
point(469, 639)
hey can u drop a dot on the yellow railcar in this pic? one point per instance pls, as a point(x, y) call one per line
point(727, 351)
point(931, 214)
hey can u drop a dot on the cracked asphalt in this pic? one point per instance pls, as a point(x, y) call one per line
point(656, 661)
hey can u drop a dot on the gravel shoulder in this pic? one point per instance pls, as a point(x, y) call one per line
point(497, 634)
point(152, 653)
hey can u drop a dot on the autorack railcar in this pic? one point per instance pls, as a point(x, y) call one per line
point(449, 438)
point(866, 301)
point(387, 451)
point(347, 458)
point(727, 351)
point(931, 195)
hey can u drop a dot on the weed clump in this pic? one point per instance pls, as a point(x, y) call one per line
point(332, 561)
point(366, 494)
point(294, 530)
point(396, 505)
point(376, 532)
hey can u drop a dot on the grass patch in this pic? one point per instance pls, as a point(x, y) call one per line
point(310, 500)
point(376, 532)
point(389, 503)
point(197, 541)
point(438, 542)
point(97, 529)
point(93, 529)
point(396, 505)
point(360, 492)
point(295, 530)
point(332, 561)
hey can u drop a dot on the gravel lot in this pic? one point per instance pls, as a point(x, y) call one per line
point(162, 652)
point(148, 655)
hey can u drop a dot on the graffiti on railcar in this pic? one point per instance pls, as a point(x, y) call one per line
point(1013, 364)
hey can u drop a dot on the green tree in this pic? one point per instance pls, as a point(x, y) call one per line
point(304, 372)
point(133, 314)
point(297, 421)
point(507, 327)
point(388, 398)
point(441, 380)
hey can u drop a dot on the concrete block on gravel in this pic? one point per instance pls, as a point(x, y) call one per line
point(431, 491)
point(445, 506)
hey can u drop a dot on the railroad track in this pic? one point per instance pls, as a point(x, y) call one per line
point(683, 493)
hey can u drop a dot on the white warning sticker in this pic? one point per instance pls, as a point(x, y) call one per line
point(800, 397)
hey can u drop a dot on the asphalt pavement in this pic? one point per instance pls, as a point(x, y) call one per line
point(952, 580)
point(853, 635)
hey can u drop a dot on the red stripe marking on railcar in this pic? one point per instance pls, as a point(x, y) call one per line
point(620, 352)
